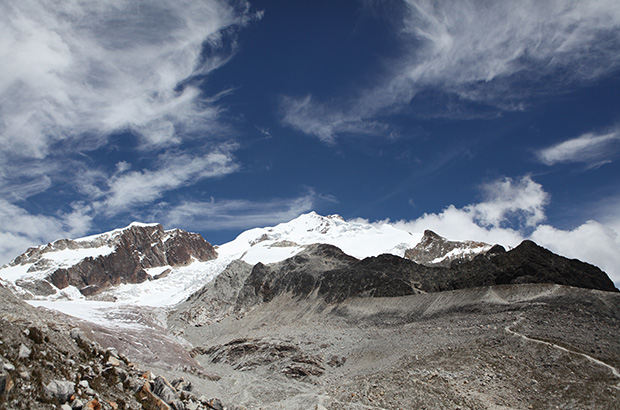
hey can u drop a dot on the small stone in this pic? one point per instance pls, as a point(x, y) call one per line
point(92, 405)
point(113, 361)
point(65, 407)
point(77, 404)
point(24, 351)
point(76, 334)
point(6, 383)
point(7, 366)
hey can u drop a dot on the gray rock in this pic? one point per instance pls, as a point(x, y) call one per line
point(24, 351)
point(113, 361)
point(60, 389)
point(77, 404)
point(77, 334)
point(7, 366)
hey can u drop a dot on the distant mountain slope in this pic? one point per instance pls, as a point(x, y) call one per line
point(181, 262)
point(326, 272)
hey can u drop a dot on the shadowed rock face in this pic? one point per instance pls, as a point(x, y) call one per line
point(326, 271)
point(136, 248)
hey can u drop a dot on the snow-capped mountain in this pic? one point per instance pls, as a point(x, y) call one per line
point(143, 264)
point(86, 266)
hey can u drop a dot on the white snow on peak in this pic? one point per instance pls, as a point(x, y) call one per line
point(115, 232)
point(358, 239)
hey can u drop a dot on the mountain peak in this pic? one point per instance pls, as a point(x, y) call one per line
point(436, 250)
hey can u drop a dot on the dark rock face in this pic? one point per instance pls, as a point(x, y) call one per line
point(327, 272)
point(530, 263)
point(136, 248)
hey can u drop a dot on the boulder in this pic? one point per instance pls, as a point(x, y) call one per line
point(60, 389)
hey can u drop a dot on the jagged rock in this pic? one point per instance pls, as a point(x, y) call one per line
point(247, 354)
point(167, 393)
point(435, 250)
point(92, 405)
point(77, 404)
point(113, 361)
point(60, 389)
point(215, 404)
point(148, 398)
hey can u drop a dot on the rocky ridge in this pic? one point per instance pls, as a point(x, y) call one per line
point(325, 272)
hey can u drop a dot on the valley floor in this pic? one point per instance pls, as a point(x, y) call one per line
point(503, 347)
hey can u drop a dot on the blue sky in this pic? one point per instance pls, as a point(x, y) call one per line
point(495, 121)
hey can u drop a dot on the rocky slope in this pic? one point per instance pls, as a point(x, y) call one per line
point(500, 347)
point(95, 263)
point(48, 360)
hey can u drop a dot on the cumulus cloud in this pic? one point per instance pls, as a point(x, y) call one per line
point(591, 148)
point(513, 211)
point(497, 53)
point(78, 71)
point(236, 214)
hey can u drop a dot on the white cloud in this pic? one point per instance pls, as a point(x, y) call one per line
point(75, 72)
point(506, 199)
point(593, 149)
point(497, 53)
point(322, 121)
point(235, 214)
point(21, 229)
point(510, 208)
point(128, 188)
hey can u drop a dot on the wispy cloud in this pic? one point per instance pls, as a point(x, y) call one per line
point(499, 54)
point(236, 214)
point(323, 122)
point(591, 148)
point(74, 75)
point(78, 71)
point(128, 188)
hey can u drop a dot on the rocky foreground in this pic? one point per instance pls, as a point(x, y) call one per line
point(49, 360)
